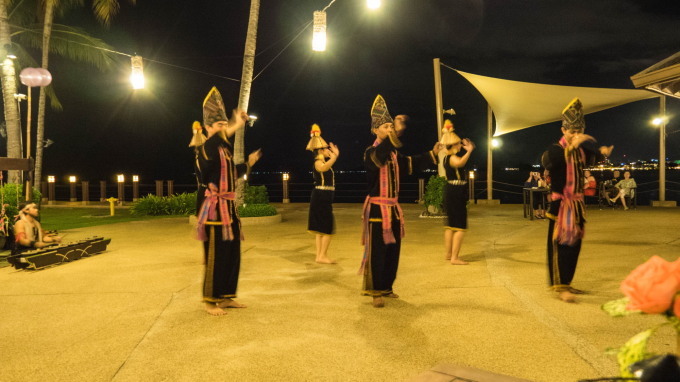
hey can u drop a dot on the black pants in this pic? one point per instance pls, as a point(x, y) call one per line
point(383, 260)
point(562, 260)
point(222, 263)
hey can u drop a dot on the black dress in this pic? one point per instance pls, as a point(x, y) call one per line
point(321, 219)
point(455, 196)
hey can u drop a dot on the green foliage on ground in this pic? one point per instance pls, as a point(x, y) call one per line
point(256, 210)
point(255, 195)
point(152, 205)
point(434, 192)
point(256, 203)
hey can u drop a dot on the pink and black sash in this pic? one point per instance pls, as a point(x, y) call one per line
point(568, 228)
point(215, 199)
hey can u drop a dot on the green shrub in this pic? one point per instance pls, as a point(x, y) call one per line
point(12, 195)
point(181, 204)
point(434, 192)
point(255, 195)
point(255, 210)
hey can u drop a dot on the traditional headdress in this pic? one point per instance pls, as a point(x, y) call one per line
point(198, 138)
point(213, 108)
point(379, 113)
point(448, 136)
point(572, 115)
point(316, 142)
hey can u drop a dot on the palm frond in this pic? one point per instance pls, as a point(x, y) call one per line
point(55, 104)
point(69, 42)
point(104, 10)
point(63, 6)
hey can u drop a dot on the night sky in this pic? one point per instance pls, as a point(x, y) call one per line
point(188, 46)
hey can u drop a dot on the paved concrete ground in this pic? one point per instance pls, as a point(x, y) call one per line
point(134, 312)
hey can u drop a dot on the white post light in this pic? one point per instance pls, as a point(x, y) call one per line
point(319, 32)
point(285, 177)
point(137, 72)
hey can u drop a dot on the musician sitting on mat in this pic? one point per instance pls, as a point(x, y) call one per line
point(28, 233)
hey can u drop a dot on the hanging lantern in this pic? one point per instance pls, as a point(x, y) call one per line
point(137, 72)
point(45, 76)
point(319, 32)
point(31, 77)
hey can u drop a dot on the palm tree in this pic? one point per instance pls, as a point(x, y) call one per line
point(70, 42)
point(104, 11)
point(9, 89)
point(246, 82)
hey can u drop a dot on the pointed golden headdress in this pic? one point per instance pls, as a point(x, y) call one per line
point(316, 142)
point(448, 136)
point(198, 138)
point(379, 113)
point(213, 108)
point(572, 115)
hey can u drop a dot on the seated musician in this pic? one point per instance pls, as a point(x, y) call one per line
point(28, 233)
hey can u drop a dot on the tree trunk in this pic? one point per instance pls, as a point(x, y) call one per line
point(244, 93)
point(9, 88)
point(40, 134)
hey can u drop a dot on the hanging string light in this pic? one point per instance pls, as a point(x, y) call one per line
point(137, 72)
point(373, 4)
point(319, 31)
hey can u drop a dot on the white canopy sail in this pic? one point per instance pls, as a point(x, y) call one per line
point(518, 105)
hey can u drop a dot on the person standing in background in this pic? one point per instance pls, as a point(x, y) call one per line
point(321, 221)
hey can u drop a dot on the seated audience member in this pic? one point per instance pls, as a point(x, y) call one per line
point(625, 189)
point(28, 233)
point(589, 184)
point(610, 185)
point(535, 181)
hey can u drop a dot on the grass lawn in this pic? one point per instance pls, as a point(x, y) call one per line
point(67, 218)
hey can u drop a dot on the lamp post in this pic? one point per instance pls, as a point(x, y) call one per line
point(661, 123)
point(32, 77)
point(285, 187)
point(471, 185)
point(50, 189)
point(121, 188)
point(135, 188)
point(72, 186)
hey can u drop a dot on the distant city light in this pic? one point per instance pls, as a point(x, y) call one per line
point(72, 179)
point(373, 4)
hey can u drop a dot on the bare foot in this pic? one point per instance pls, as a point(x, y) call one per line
point(378, 302)
point(567, 296)
point(325, 260)
point(230, 304)
point(447, 256)
point(577, 291)
point(458, 262)
point(214, 310)
point(392, 295)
